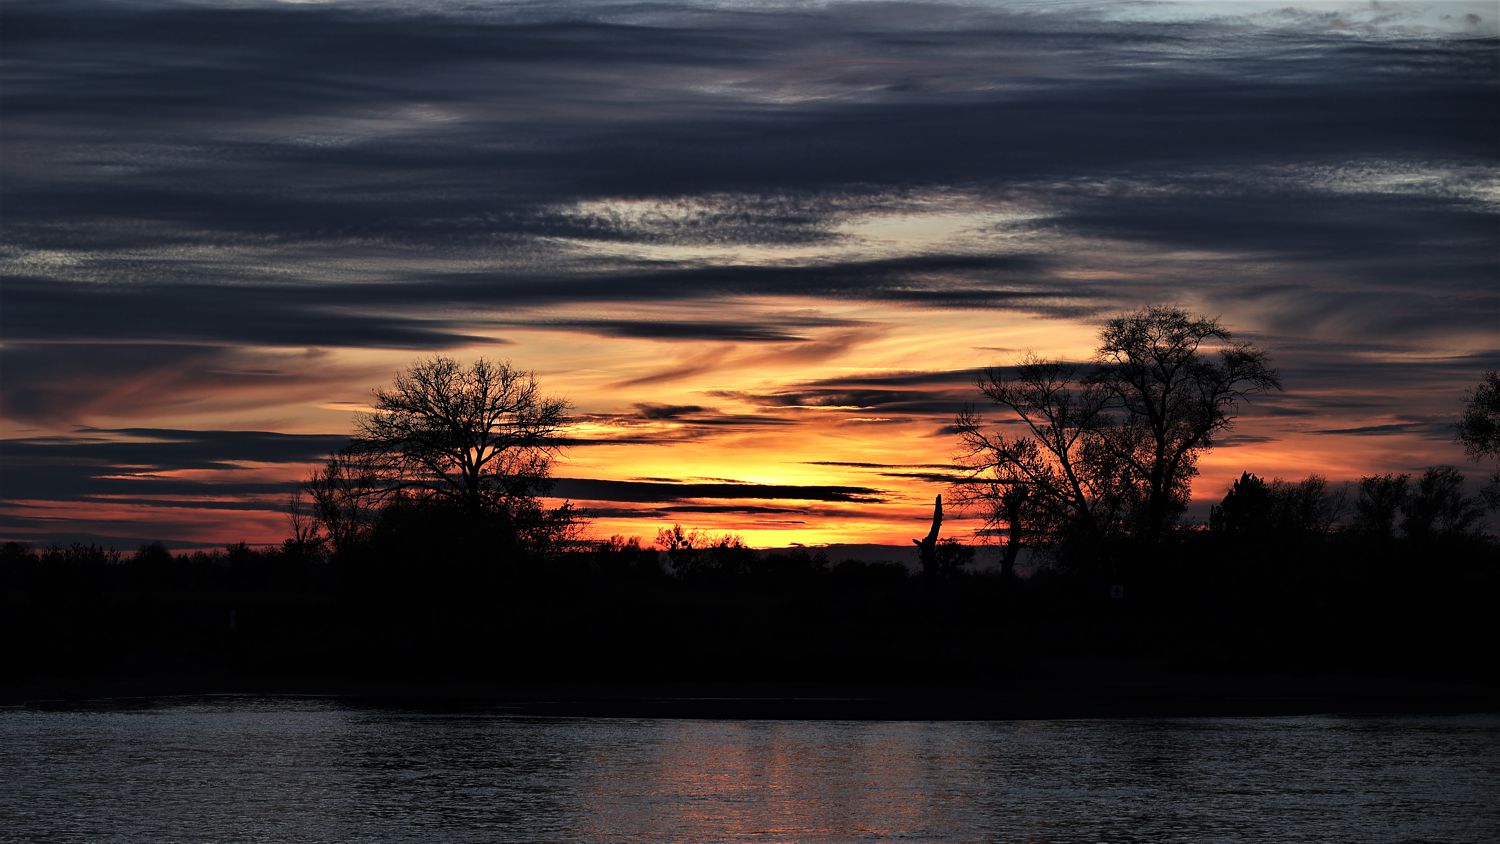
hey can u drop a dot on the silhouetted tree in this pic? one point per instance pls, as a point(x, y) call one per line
point(477, 440)
point(693, 553)
point(1281, 511)
point(347, 494)
point(1112, 448)
point(1013, 503)
point(1381, 498)
point(951, 557)
point(306, 533)
point(1438, 507)
point(1479, 429)
point(1053, 481)
point(1300, 509)
point(927, 546)
point(675, 540)
point(480, 437)
point(153, 555)
point(1168, 397)
point(1245, 510)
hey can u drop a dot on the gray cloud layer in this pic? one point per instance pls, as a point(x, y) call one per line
point(293, 165)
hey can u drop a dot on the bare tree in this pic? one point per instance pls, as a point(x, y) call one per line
point(302, 522)
point(1174, 382)
point(478, 439)
point(347, 492)
point(1050, 480)
point(1110, 447)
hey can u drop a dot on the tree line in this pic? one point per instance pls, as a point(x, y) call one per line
point(1098, 463)
point(427, 549)
point(1092, 461)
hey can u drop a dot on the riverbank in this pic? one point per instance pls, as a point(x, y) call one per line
point(1121, 695)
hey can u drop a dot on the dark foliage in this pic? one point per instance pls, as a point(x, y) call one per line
point(1108, 449)
point(1438, 507)
point(1479, 430)
point(457, 455)
point(411, 606)
point(1381, 498)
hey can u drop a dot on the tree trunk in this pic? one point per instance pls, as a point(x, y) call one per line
point(1013, 540)
point(927, 546)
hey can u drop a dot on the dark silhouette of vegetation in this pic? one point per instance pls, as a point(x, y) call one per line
point(1378, 507)
point(405, 569)
point(952, 557)
point(1168, 398)
point(1479, 430)
point(694, 554)
point(1108, 450)
point(1055, 483)
point(1281, 513)
point(461, 452)
point(1438, 507)
point(1264, 590)
point(927, 546)
point(1245, 511)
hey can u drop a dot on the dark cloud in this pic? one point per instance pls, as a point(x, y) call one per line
point(678, 330)
point(98, 469)
point(62, 383)
point(656, 492)
point(139, 462)
point(678, 511)
point(754, 327)
point(54, 483)
point(161, 449)
point(583, 442)
point(929, 477)
point(666, 411)
point(1436, 429)
point(913, 402)
point(294, 149)
point(380, 314)
point(933, 393)
point(858, 465)
point(267, 315)
point(1233, 440)
point(922, 393)
point(658, 424)
point(694, 416)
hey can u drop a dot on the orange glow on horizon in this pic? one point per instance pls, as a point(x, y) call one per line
point(778, 413)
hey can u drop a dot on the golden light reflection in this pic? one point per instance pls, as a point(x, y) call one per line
point(767, 780)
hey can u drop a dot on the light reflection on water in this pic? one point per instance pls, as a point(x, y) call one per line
point(297, 770)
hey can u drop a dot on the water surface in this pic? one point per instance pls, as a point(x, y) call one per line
point(278, 770)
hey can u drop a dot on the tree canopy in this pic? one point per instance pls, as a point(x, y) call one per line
point(1108, 448)
point(474, 440)
point(1478, 430)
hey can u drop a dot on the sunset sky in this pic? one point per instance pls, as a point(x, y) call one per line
point(763, 249)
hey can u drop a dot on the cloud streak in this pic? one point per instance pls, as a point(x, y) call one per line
point(762, 228)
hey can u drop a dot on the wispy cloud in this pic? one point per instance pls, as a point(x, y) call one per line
point(716, 226)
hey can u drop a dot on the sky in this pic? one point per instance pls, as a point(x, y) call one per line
point(764, 249)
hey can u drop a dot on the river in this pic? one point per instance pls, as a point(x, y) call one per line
point(289, 769)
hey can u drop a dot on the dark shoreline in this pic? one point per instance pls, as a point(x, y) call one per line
point(1165, 696)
